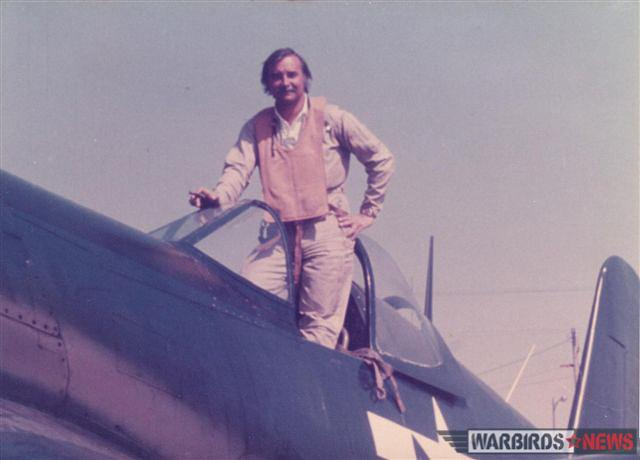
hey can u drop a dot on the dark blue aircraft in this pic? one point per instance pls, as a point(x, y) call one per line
point(121, 344)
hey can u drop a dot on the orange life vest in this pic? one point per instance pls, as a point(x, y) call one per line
point(293, 180)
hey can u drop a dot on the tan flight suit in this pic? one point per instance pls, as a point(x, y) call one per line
point(294, 183)
point(304, 184)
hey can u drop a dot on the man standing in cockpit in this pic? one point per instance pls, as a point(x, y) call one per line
point(302, 148)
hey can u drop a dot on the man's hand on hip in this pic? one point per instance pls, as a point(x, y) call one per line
point(354, 224)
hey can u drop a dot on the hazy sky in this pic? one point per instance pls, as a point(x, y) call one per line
point(514, 125)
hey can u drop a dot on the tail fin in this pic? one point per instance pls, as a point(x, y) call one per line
point(607, 389)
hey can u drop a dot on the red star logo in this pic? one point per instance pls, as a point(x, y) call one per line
point(574, 441)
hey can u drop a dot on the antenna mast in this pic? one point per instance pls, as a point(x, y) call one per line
point(428, 296)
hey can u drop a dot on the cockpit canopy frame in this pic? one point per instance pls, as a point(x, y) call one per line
point(396, 327)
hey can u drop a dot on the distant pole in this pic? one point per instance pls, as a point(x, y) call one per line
point(575, 350)
point(517, 380)
point(574, 355)
point(554, 404)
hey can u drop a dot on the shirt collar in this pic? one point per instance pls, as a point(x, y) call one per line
point(303, 113)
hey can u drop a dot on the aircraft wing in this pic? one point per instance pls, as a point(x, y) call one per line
point(29, 433)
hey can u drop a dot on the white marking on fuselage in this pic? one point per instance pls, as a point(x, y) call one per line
point(395, 442)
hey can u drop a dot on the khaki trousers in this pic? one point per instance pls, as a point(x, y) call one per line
point(325, 281)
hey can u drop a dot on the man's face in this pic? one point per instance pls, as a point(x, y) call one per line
point(287, 81)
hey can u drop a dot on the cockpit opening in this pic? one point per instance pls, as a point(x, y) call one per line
point(382, 312)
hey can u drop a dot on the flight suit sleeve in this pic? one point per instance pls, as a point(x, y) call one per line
point(377, 159)
point(239, 165)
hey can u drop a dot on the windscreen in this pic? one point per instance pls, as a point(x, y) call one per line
point(401, 330)
point(244, 238)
